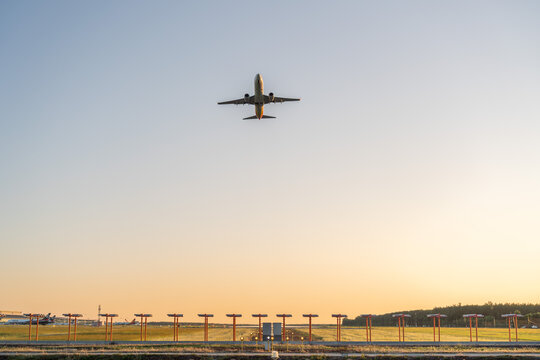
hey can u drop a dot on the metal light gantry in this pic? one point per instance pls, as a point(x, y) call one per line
point(75, 316)
point(368, 326)
point(176, 325)
point(144, 320)
point(513, 317)
point(30, 317)
point(283, 316)
point(108, 332)
point(338, 327)
point(401, 324)
point(436, 317)
point(206, 316)
point(310, 316)
point(471, 316)
point(234, 316)
point(259, 337)
point(512, 320)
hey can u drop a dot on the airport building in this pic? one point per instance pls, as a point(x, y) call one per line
point(8, 314)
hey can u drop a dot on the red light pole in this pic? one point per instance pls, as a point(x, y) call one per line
point(108, 332)
point(338, 328)
point(475, 316)
point(206, 316)
point(283, 316)
point(144, 320)
point(310, 316)
point(234, 316)
point(176, 325)
point(259, 337)
point(513, 317)
point(30, 317)
point(401, 325)
point(368, 326)
point(75, 316)
point(436, 317)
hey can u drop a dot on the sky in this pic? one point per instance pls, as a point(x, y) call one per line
point(406, 178)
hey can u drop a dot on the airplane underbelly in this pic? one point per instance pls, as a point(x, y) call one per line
point(259, 98)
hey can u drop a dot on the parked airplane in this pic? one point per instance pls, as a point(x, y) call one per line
point(259, 100)
point(42, 321)
point(132, 322)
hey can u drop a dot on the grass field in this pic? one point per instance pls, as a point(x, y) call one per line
point(426, 334)
point(221, 333)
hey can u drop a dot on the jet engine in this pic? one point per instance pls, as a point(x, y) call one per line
point(246, 98)
point(271, 97)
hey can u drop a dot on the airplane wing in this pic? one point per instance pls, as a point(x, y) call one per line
point(242, 101)
point(277, 99)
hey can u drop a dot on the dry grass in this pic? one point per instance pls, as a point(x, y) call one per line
point(194, 333)
point(145, 349)
point(426, 334)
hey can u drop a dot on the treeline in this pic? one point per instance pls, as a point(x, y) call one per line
point(491, 311)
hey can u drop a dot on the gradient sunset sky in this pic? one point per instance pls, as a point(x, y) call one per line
point(407, 177)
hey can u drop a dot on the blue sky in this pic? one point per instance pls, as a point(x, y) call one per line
point(416, 137)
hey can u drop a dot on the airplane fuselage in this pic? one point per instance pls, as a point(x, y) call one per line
point(259, 96)
point(42, 321)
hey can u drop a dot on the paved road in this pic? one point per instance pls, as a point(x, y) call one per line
point(232, 355)
point(530, 350)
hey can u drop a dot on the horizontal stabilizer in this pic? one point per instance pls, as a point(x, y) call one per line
point(263, 117)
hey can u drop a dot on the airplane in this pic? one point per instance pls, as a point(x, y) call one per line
point(132, 322)
point(42, 321)
point(259, 100)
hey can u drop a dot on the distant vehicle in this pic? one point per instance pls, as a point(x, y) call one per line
point(259, 100)
point(132, 322)
point(42, 321)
